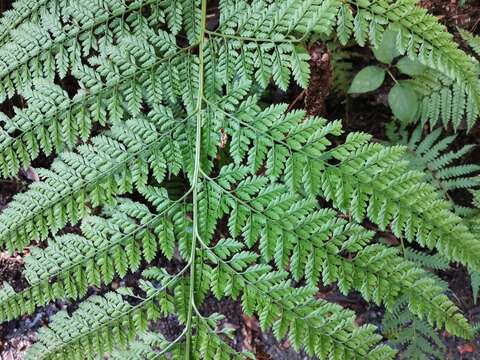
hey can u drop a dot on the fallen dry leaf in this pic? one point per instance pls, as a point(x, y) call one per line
point(249, 331)
point(466, 348)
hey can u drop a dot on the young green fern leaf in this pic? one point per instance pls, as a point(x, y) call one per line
point(443, 100)
point(413, 336)
point(172, 94)
point(472, 40)
point(430, 154)
point(342, 65)
point(472, 218)
point(416, 339)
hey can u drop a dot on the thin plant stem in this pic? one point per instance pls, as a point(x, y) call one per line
point(195, 180)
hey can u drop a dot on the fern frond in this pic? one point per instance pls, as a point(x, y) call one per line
point(475, 284)
point(21, 11)
point(60, 41)
point(280, 20)
point(99, 324)
point(458, 96)
point(368, 180)
point(390, 197)
point(52, 121)
point(472, 219)
point(472, 40)
point(111, 246)
point(287, 227)
point(111, 165)
point(434, 262)
point(431, 154)
point(434, 48)
point(146, 346)
point(269, 295)
point(415, 338)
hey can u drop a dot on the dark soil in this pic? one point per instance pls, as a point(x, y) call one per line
point(321, 80)
point(453, 15)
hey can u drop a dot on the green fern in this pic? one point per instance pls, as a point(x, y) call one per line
point(472, 40)
point(342, 65)
point(176, 98)
point(434, 48)
point(443, 101)
point(413, 336)
point(416, 339)
point(431, 154)
point(472, 219)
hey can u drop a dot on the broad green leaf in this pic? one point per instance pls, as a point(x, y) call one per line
point(387, 51)
point(410, 67)
point(404, 102)
point(368, 79)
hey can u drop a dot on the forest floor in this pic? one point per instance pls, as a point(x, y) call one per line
point(16, 336)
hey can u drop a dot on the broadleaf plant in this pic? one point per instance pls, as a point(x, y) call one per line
point(271, 204)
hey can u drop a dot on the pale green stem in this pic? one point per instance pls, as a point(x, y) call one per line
point(253, 39)
point(196, 173)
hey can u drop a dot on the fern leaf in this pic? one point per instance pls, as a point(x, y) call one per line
point(472, 40)
point(106, 321)
point(76, 177)
point(415, 338)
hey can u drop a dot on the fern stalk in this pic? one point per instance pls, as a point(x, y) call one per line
point(257, 40)
point(195, 180)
